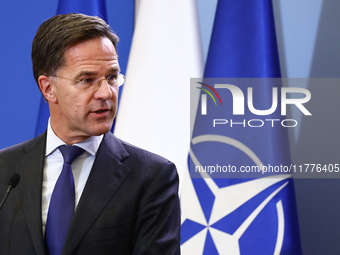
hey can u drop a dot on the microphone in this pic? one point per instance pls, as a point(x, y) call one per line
point(12, 183)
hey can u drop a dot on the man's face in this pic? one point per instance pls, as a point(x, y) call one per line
point(79, 111)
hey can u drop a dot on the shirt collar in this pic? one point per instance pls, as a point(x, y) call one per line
point(90, 145)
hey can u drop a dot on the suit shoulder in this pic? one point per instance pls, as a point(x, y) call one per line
point(23, 147)
point(136, 157)
point(143, 154)
point(153, 169)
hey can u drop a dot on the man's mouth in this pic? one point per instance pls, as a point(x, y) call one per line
point(101, 111)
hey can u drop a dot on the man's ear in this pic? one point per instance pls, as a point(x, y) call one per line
point(46, 86)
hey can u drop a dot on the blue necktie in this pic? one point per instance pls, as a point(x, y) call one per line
point(61, 209)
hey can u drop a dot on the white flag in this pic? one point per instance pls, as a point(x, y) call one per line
point(154, 111)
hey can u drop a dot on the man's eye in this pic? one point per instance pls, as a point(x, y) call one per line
point(112, 78)
point(87, 81)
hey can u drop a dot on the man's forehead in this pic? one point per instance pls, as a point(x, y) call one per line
point(93, 50)
point(99, 43)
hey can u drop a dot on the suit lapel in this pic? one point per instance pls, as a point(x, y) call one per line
point(30, 168)
point(107, 175)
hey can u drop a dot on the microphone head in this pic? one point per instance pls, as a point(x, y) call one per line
point(14, 180)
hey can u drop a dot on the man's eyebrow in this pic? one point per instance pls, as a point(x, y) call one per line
point(90, 73)
point(85, 73)
point(114, 69)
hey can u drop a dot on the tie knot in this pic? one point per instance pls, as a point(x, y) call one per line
point(70, 153)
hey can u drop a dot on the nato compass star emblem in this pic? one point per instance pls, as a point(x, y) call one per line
point(212, 220)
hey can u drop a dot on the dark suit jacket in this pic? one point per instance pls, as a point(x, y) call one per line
point(129, 204)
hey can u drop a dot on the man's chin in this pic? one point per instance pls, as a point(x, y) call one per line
point(102, 129)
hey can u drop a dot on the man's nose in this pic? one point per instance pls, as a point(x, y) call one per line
point(104, 90)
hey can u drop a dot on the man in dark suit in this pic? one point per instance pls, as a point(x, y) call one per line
point(125, 198)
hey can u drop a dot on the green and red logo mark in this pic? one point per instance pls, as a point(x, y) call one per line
point(204, 97)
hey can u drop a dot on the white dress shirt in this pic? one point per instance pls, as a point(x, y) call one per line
point(81, 167)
